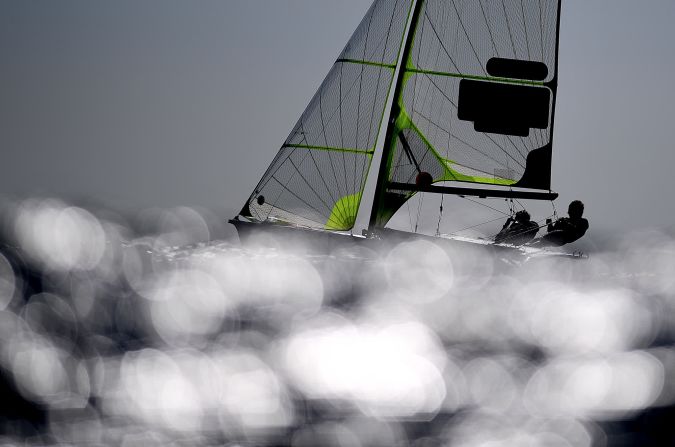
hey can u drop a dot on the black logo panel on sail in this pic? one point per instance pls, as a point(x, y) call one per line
point(504, 108)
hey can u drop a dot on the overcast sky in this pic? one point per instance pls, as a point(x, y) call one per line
point(158, 102)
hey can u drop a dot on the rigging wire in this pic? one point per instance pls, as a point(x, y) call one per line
point(440, 216)
point(440, 208)
point(419, 211)
point(539, 226)
point(409, 215)
point(487, 222)
point(477, 225)
point(555, 211)
point(487, 206)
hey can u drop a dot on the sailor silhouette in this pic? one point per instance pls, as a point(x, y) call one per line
point(518, 230)
point(567, 229)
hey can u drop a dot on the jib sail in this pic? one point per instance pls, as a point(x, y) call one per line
point(318, 175)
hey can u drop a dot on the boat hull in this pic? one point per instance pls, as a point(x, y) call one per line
point(265, 234)
point(307, 240)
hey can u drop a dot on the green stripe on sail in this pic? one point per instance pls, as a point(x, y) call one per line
point(328, 148)
point(449, 174)
point(411, 69)
point(343, 216)
point(374, 64)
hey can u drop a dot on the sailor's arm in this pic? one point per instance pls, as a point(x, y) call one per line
point(507, 223)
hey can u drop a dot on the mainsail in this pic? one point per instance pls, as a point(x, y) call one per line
point(318, 175)
point(473, 101)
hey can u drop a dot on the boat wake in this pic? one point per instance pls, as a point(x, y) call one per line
point(116, 333)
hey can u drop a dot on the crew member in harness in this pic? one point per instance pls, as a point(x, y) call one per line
point(567, 229)
point(518, 230)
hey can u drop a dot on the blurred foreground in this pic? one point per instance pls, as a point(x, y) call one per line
point(145, 333)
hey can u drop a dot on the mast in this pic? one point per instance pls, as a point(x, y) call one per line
point(385, 160)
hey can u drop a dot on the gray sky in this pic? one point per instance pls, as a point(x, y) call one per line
point(158, 102)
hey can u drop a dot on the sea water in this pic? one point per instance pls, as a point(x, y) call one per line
point(115, 332)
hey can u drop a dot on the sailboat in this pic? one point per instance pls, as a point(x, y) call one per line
point(460, 95)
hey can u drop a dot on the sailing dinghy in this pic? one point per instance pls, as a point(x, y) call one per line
point(460, 96)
